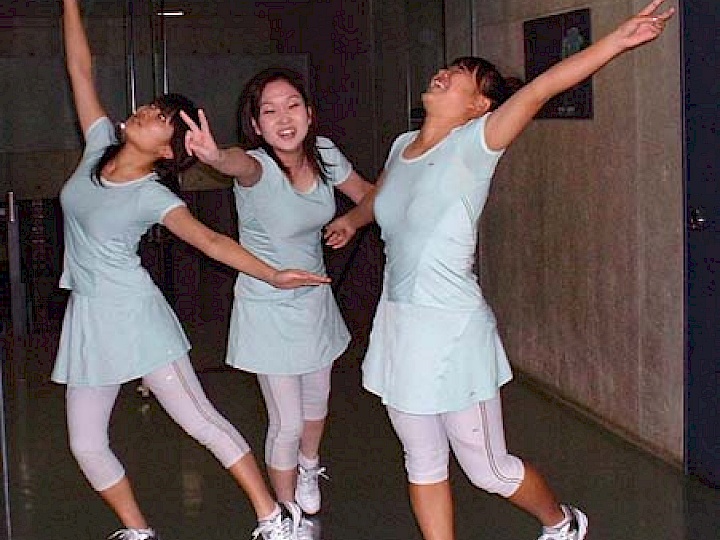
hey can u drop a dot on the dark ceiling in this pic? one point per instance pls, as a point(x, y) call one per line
point(115, 8)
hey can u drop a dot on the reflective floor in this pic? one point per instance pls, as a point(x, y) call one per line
point(628, 494)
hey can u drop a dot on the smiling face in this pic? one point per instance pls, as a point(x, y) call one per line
point(453, 91)
point(283, 117)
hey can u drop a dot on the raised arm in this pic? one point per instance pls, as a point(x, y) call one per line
point(224, 249)
point(79, 66)
point(511, 118)
point(234, 162)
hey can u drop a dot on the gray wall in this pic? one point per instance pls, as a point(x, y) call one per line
point(582, 239)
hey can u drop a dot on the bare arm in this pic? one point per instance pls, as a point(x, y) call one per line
point(224, 249)
point(339, 231)
point(234, 162)
point(355, 187)
point(513, 116)
point(79, 66)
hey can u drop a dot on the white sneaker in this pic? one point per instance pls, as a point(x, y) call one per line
point(575, 528)
point(284, 526)
point(307, 492)
point(306, 530)
point(133, 534)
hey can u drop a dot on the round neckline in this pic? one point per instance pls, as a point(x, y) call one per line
point(310, 191)
point(430, 150)
point(113, 184)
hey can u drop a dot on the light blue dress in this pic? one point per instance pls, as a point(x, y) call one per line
point(434, 345)
point(296, 331)
point(117, 324)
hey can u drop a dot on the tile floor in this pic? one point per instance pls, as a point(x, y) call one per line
point(628, 494)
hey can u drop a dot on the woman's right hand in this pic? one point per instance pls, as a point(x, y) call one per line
point(199, 141)
point(291, 279)
point(647, 25)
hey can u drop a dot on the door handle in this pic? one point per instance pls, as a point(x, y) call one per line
point(696, 219)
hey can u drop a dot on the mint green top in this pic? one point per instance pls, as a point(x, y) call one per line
point(286, 332)
point(117, 324)
point(434, 346)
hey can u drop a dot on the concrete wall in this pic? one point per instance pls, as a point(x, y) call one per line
point(582, 239)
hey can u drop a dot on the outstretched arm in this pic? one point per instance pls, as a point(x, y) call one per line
point(79, 66)
point(234, 162)
point(224, 249)
point(511, 118)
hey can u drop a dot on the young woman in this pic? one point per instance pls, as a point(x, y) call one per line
point(118, 326)
point(435, 357)
point(284, 192)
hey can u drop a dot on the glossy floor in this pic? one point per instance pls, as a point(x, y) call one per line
point(628, 494)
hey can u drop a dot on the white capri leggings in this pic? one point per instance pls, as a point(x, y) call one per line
point(477, 437)
point(291, 400)
point(178, 390)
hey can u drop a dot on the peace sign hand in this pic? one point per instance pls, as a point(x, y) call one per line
point(645, 26)
point(199, 141)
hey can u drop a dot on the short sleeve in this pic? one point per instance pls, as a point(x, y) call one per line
point(99, 135)
point(156, 201)
point(398, 144)
point(475, 130)
point(337, 166)
point(267, 164)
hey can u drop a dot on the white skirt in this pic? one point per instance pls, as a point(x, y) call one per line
point(287, 337)
point(115, 340)
point(427, 360)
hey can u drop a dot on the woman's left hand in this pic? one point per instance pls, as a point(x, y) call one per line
point(291, 279)
point(339, 232)
point(648, 24)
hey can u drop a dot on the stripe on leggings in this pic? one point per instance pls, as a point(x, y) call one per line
point(489, 450)
point(209, 417)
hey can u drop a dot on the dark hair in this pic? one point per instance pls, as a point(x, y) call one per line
point(488, 79)
point(249, 110)
point(168, 170)
point(514, 84)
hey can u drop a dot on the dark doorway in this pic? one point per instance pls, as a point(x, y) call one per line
point(701, 63)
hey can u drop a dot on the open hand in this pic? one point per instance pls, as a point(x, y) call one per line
point(199, 141)
point(338, 232)
point(291, 279)
point(645, 26)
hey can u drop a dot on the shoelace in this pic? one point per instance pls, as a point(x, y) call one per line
point(280, 528)
point(568, 531)
point(133, 534)
point(311, 475)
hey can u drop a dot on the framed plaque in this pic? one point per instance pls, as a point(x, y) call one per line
point(549, 40)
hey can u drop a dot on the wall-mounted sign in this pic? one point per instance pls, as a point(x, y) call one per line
point(549, 40)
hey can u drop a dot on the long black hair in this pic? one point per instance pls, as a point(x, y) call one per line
point(168, 170)
point(249, 110)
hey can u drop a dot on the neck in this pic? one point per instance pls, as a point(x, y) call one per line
point(436, 127)
point(129, 164)
point(294, 161)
